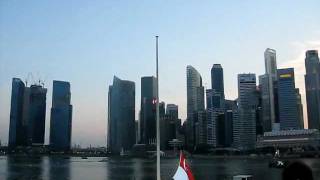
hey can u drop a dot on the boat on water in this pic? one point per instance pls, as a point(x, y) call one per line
point(123, 153)
point(276, 162)
point(243, 177)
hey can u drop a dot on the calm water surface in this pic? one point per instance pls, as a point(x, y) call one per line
point(55, 168)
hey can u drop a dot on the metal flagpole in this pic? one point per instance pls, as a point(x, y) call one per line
point(157, 109)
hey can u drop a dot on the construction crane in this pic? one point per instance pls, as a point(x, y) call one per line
point(29, 78)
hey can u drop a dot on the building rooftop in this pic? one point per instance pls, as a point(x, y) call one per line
point(291, 132)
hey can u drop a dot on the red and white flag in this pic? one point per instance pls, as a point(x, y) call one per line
point(184, 171)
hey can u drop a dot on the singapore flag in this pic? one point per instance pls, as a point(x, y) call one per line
point(184, 171)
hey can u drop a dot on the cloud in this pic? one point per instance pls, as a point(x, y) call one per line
point(297, 62)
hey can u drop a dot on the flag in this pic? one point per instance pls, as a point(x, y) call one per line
point(184, 171)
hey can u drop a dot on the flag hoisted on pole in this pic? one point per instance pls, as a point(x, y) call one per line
point(157, 112)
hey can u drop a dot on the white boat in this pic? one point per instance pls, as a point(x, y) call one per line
point(123, 153)
point(243, 177)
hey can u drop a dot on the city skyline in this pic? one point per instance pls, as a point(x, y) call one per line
point(90, 74)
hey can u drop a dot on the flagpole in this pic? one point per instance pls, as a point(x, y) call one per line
point(157, 109)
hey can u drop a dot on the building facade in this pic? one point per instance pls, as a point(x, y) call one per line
point(299, 109)
point(287, 100)
point(121, 116)
point(215, 113)
point(245, 124)
point(172, 110)
point(148, 110)
point(217, 83)
point(61, 117)
point(312, 84)
point(36, 117)
point(17, 126)
point(195, 103)
point(265, 102)
point(268, 82)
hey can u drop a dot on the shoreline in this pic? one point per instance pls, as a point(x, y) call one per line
point(194, 156)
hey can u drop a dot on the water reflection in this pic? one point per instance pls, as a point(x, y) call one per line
point(139, 169)
point(119, 169)
point(24, 168)
point(59, 168)
point(75, 168)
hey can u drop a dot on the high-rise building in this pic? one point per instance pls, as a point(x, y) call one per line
point(121, 116)
point(267, 83)
point(61, 117)
point(287, 100)
point(17, 127)
point(172, 110)
point(167, 130)
point(299, 109)
point(230, 107)
point(195, 103)
point(259, 122)
point(265, 102)
point(148, 110)
point(245, 125)
point(228, 133)
point(27, 114)
point(215, 108)
point(162, 109)
point(194, 86)
point(312, 83)
point(217, 79)
point(36, 106)
point(215, 111)
point(201, 129)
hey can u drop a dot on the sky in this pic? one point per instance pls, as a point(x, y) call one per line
point(88, 42)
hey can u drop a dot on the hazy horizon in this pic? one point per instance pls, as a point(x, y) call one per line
point(87, 43)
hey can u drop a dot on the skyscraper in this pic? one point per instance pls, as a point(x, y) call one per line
point(312, 83)
point(228, 133)
point(195, 102)
point(36, 106)
point(17, 126)
point(230, 108)
point(267, 82)
point(27, 114)
point(215, 109)
point(201, 129)
point(265, 102)
point(299, 109)
point(287, 100)
point(148, 110)
point(217, 79)
point(194, 85)
point(61, 117)
point(167, 130)
point(245, 125)
point(172, 110)
point(121, 116)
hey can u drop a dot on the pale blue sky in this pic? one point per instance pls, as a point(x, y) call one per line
point(87, 42)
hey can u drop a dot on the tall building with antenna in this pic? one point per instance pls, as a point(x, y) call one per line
point(27, 114)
